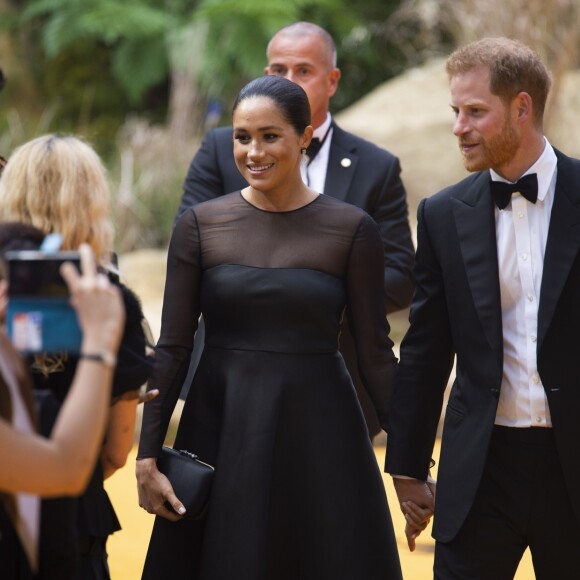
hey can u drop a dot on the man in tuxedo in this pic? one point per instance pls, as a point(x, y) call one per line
point(497, 289)
point(338, 164)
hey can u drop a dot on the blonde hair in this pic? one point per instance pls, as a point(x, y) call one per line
point(59, 184)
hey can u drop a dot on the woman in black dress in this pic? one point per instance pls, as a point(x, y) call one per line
point(297, 492)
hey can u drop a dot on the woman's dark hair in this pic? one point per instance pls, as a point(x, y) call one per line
point(288, 96)
point(19, 236)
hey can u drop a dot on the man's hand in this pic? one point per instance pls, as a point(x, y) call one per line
point(417, 501)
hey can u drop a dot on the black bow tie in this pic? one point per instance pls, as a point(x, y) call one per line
point(314, 147)
point(527, 186)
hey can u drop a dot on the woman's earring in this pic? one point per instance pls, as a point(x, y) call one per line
point(303, 150)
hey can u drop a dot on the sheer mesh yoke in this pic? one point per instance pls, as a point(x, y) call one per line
point(318, 236)
point(297, 492)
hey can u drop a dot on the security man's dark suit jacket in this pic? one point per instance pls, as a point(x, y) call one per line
point(359, 173)
point(456, 311)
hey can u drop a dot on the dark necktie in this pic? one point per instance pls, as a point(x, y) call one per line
point(313, 148)
point(527, 186)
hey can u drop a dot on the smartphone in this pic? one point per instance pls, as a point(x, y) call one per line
point(39, 317)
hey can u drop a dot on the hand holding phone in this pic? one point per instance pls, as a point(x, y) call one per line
point(98, 305)
point(40, 318)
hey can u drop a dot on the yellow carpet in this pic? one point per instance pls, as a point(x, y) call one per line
point(127, 548)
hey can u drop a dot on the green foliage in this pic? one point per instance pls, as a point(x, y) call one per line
point(134, 31)
point(105, 20)
point(141, 64)
point(85, 95)
point(238, 34)
point(139, 35)
point(277, 10)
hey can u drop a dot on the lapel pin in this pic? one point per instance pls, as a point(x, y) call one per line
point(346, 162)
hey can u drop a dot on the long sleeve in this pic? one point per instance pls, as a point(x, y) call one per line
point(367, 317)
point(179, 320)
point(390, 212)
point(427, 355)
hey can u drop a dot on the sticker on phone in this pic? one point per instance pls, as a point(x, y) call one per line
point(27, 331)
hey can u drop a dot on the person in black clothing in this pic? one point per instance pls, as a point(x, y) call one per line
point(498, 281)
point(273, 268)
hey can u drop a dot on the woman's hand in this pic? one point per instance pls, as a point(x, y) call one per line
point(148, 396)
point(155, 491)
point(417, 501)
point(417, 519)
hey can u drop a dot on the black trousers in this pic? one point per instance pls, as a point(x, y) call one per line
point(522, 501)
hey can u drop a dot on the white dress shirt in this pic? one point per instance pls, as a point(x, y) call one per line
point(314, 171)
point(521, 233)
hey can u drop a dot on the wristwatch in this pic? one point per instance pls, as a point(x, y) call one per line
point(105, 357)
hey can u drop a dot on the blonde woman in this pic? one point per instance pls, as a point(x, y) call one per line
point(59, 185)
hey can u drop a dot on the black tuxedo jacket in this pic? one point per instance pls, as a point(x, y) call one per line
point(456, 313)
point(358, 172)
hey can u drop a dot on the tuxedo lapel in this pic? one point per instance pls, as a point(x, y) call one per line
point(474, 219)
point(563, 242)
point(342, 162)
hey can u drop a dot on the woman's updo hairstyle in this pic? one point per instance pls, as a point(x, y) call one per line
point(288, 96)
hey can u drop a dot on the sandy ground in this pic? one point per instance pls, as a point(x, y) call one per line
point(127, 548)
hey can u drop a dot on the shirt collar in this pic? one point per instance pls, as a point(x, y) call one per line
point(544, 168)
point(320, 132)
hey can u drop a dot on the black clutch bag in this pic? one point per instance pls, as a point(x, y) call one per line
point(190, 478)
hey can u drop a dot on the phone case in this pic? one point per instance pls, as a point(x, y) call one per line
point(40, 318)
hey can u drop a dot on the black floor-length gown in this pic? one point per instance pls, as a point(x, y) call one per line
point(297, 493)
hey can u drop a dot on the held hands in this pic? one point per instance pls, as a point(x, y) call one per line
point(417, 501)
point(155, 491)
